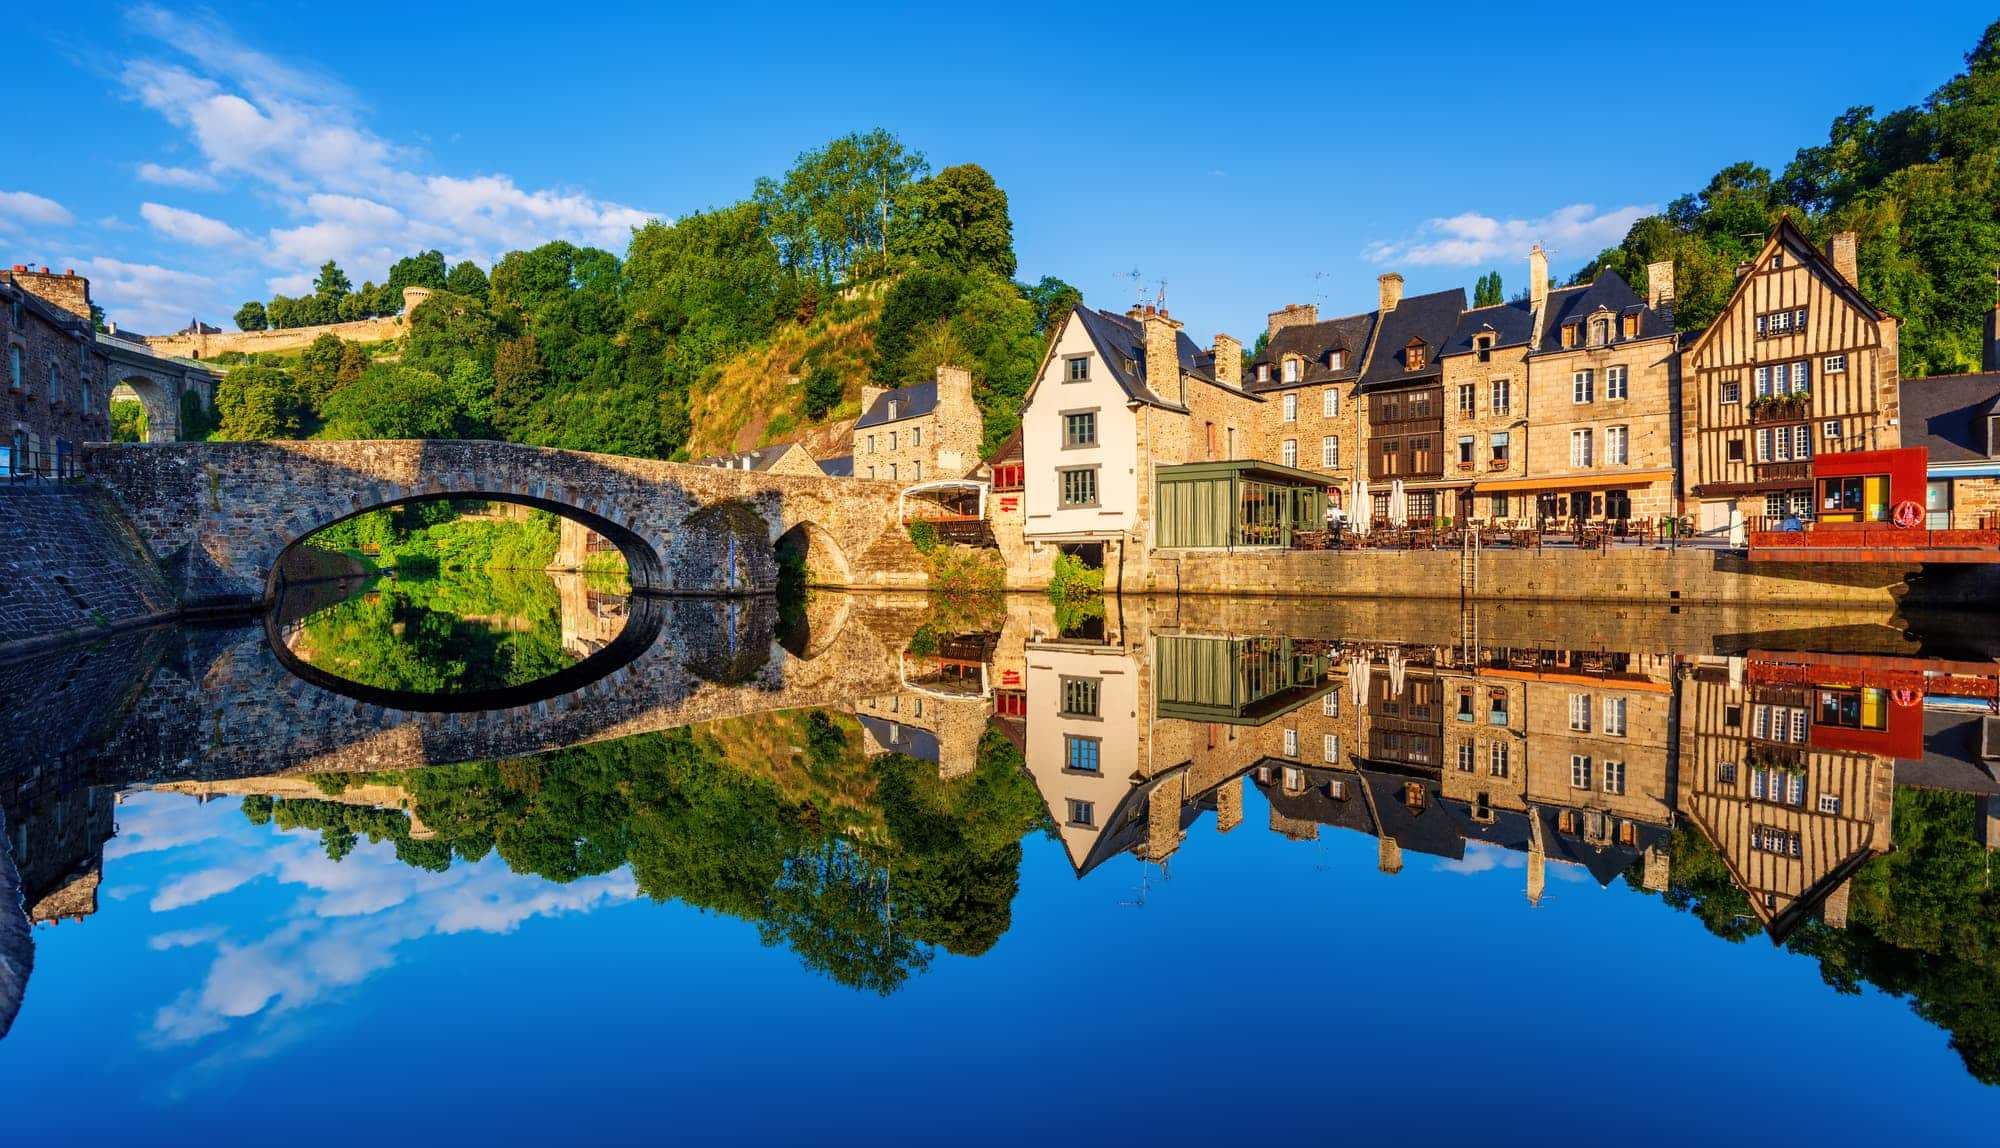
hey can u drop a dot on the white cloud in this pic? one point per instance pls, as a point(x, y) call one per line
point(29, 208)
point(350, 195)
point(145, 297)
point(181, 177)
point(1576, 233)
point(191, 227)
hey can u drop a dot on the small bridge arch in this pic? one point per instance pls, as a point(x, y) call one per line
point(157, 381)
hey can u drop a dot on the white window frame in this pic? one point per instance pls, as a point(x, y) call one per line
point(1503, 396)
point(1496, 759)
point(1582, 448)
point(1729, 392)
point(1330, 747)
point(1288, 452)
point(1617, 446)
point(1329, 403)
point(1579, 713)
point(1617, 382)
point(1614, 717)
point(1329, 451)
point(1613, 774)
point(1329, 704)
point(1291, 400)
point(1579, 771)
point(1583, 386)
point(1833, 365)
point(1290, 371)
point(1829, 804)
point(1291, 743)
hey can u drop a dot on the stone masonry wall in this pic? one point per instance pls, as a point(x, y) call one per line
point(72, 568)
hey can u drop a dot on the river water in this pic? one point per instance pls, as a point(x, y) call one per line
point(513, 858)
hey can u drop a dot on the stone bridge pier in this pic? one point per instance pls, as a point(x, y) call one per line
point(219, 515)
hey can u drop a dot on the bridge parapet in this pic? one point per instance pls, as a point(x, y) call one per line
point(218, 515)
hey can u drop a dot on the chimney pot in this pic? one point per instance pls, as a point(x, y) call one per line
point(20, 268)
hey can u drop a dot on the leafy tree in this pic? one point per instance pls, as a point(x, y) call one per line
point(1488, 292)
point(466, 279)
point(957, 217)
point(319, 368)
point(251, 317)
point(128, 421)
point(1053, 300)
point(424, 269)
point(824, 391)
point(197, 420)
point(835, 205)
point(259, 403)
point(332, 283)
point(391, 401)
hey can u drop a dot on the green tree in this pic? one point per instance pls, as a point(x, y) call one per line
point(391, 401)
point(424, 269)
point(128, 421)
point(251, 317)
point(1488, 292)
point(332, 283)
point(824, 391)
point(1053, 300)
point(957, 217)
point(259, 403)
point(835, 204)
point(466, 279)
point(318, 372)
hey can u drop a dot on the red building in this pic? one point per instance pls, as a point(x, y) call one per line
point(1868, 506)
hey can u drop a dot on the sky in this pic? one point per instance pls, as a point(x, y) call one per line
point(1240, 158)
point(1267, 989)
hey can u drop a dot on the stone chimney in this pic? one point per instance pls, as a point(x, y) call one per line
point(1228, 360)
point(1229, 805)
point(1659, 283)
point(1538, 278)
point(1834, 909)
point(1388, 290)
point(1538, 865)
point(67, 291)
point(1388, 855)
point(869, 393)
point(1294, 315)
point(1658, 869)
point(1163, 360)
point(1840, 251)
point(954, 386)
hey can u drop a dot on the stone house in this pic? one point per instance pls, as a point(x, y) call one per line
point(918, 433)
point(1307, 374)
point(1116, 398)
point(779, 458)
point(57, 392)
point(1798, 363)
point(1402, 383)
point(1603, 390)
point(1956, 418)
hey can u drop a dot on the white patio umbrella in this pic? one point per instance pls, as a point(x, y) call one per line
point(1360, 513)
point(1359, 669)
point(1399, 509)
point(1395, 671)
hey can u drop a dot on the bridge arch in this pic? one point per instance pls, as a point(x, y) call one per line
point(160, 399)
point(644, 569)
point(808, 542)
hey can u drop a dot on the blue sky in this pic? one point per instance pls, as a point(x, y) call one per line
point(189, 158)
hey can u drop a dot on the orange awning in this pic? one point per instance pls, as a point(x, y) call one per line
point(1577, 482)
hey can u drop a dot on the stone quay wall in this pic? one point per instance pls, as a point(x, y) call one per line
point(73, 569)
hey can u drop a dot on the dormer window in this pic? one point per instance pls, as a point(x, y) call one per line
point(1569, 334)
point(1263, 372)
point(1631, 330)
point(1484, 345)
point(1600, 332)
point(1336, 360)
point(1291, 370)
point(1413, 355)
point(895, 409)
point(1993, 436)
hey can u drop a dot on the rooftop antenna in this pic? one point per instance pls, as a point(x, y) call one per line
point(1160, 301)
point(1138, 281)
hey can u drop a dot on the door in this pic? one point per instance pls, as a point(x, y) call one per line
point(1937, 505)
point(1579, 505)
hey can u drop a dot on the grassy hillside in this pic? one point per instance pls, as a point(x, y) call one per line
point(759, 395)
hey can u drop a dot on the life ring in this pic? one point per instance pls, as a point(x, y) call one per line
point(1907, 514)
point(1906, 696)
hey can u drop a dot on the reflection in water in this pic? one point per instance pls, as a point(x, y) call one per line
point(866, 802)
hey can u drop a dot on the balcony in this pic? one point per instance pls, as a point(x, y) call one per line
point(1795, 407)
point(1800, 472)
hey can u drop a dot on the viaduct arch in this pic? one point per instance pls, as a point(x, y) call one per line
point(219, 515)
point(157, 381)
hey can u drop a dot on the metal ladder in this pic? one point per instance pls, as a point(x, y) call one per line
point(1468, 565)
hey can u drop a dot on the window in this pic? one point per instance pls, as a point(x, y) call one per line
point(1336, 360)
point(1614, 777)
point(1329, 451)
point(84, 387)
point(1579, 712)
point(1630, 325)
point(1337, 788)
point(917, 471)
point(1781, 786)
point(1614, 717)
point(1291, 398)
point(916, 436)
point(892, 472)
point(1293, 779)
point(1467, 756)
point(1777, 260)
point(1329, 703)
point(1617, 446)
point(1081, 753)
point(1079, 696)
point(1496, 708)
point(1615, 382)
point(871, 472)
point(1330, 747)
point(1078, 368)
point(14, 367)
point(55, 385)
point(1725, 773)
point(1770, 839)
point(1291, 372)
point(1082, 813)
point(1500, 444)
point(1288, 451)
point(1496, 759)
point(1733, 450)
point(1466, 448)
point(1579, 771)
point(1079, 486)
point(1829, 803)
point(1833, 365)
point(892, 440)
point(895, 412)
point(1465, 704)
point(1569, 335)
point(1263, 372)
point(1580, 452)
point(1784, 444)
point(1503, 396)
point(1583, 386)
point(1329, 403)
point(871, 444)
point(1497, 504)
point(1468, 398)
point(1413, 355)
point(1732, 392)
point(1291, 743)
point(1484, 345)
point(1600, 332)
point(1079, 429)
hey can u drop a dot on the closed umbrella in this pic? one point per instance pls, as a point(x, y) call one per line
point(1361, 513)
point(1399, 511)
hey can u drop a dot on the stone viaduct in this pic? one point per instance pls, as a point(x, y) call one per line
point(218, 515)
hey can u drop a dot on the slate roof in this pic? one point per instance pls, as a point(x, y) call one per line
point(1604, 862)
point(899, 738)
point(1431, 318)
point(1510, 324)
point(918, 399)
point(1946, 414)
point(1951, 757)
point(1316, 803)
point(1434, 830)
point(762, 458)
point(842, 467)
point(1312, 342)
point(1609, 294)
point(1121, 341)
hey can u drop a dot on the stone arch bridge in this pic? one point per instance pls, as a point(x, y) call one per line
point(219, 515)
point(157, 380)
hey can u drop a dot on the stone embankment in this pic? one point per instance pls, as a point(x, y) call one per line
point(71, 569)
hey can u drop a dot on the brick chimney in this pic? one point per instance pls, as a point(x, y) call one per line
point(1163, 360)
point(68, 291)
point(1228, 359)
point(1659, 283)
point(1294, 315)
point(954, 387)
point(1538, 278)
point(1388, 290)
point(1840, 251)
